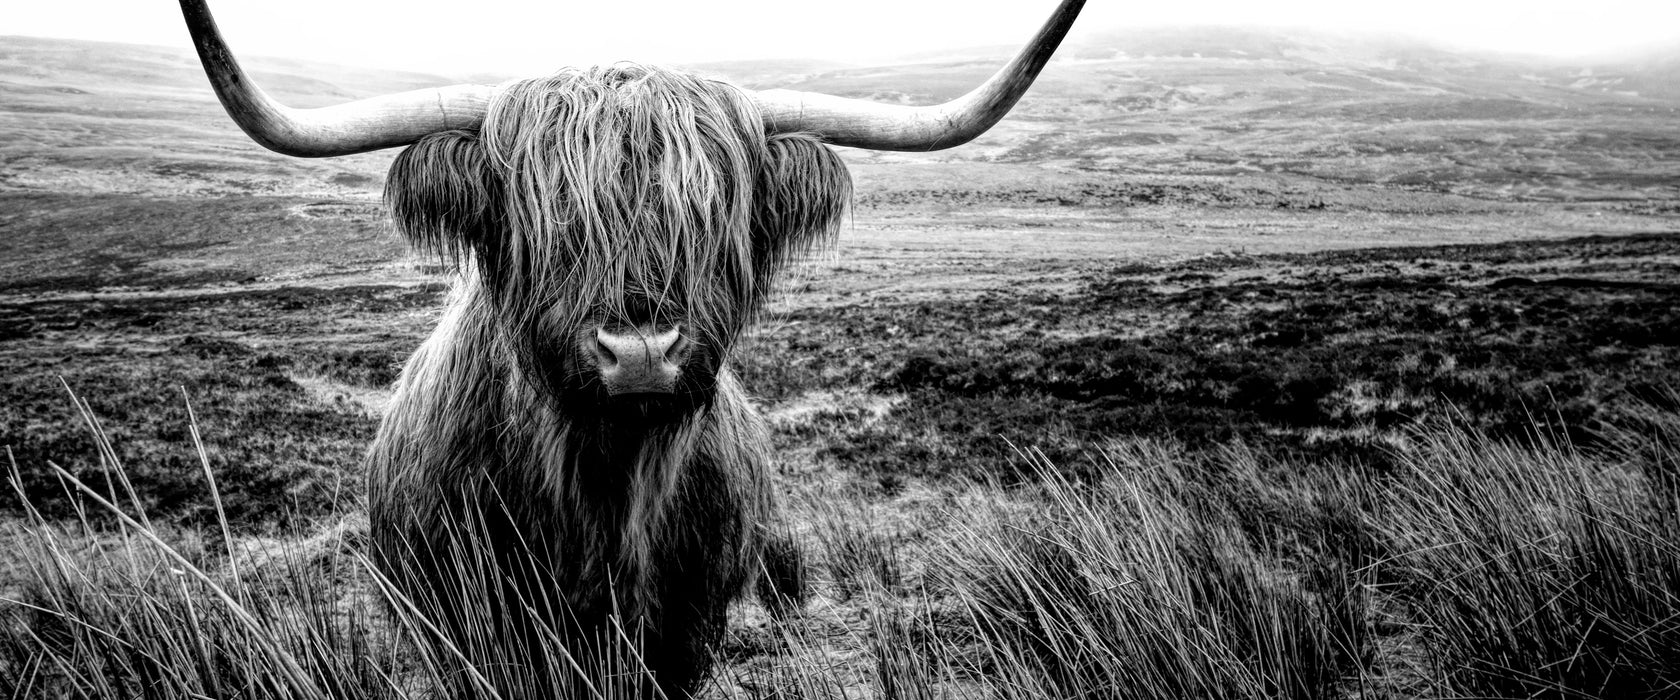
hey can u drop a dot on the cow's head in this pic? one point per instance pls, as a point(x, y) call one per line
point(624, 222)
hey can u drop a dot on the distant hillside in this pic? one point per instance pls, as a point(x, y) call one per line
point(1210, 102)
point(767, 73)
point(96, 116)
point(67, 65)
point(1655, 74)
point(1222, 102)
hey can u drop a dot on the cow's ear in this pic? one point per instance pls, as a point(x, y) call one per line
point(445, 196)
point(802, 194)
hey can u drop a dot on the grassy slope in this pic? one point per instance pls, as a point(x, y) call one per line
point(101, 117)
point(139, 119)
point(81, 242)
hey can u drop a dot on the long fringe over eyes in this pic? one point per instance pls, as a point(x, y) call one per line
point(621, 193)
point(627, 184)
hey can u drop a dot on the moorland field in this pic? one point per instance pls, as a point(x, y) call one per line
point(1231, 365)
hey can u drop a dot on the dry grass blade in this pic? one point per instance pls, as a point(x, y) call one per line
point(259, 635)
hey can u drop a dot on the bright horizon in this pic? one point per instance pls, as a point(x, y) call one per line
point(522, 38)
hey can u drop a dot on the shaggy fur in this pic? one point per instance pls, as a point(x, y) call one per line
point(505, 481)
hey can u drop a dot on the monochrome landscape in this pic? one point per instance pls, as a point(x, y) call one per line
point(1231, 364)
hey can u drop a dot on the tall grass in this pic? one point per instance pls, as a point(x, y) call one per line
point(144, 610)
point(1543, 570)
point(1528, 570)
point(112, 605)
point(1146, 586)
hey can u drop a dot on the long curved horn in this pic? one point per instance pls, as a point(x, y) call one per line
point(863, 124)
point(355, 127)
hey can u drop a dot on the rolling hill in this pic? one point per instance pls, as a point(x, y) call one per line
point(85, 116)
point(118, 167)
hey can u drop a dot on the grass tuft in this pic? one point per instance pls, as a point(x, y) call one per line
point(1544, 570)
point(1477, 567)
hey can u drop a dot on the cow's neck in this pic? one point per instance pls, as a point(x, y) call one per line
point(622, 480)
point(612, 462)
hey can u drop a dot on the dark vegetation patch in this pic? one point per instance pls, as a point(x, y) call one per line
point(275, 453)
point(1107, 194)
point(1321, 356)
point(1299, 356)
point(352, 180)
point(79, 242)
point(278, 452)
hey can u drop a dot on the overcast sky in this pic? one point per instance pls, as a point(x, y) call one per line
point(526, 37)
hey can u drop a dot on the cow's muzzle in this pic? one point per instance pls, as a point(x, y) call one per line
point(639, 360)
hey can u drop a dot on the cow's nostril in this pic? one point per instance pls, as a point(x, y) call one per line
point(672, 344)
point(603, 353)
point(678, 348)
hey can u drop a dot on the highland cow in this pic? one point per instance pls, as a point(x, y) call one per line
point(569, 458)
point(575, 399)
